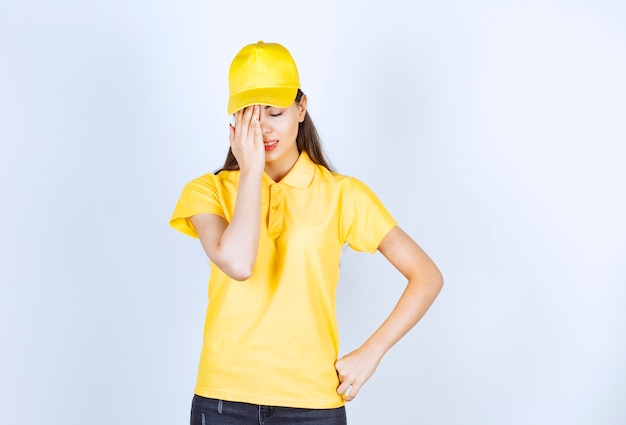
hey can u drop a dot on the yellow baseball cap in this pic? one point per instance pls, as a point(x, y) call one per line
point(262, 73)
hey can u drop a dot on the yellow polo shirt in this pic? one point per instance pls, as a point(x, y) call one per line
point(272, 339)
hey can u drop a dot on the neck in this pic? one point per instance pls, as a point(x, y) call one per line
point(277, 170)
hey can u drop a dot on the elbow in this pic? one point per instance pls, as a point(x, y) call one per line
point(234, 266)
point(238, 271)
point(437, 280)
point(430, 279)
point(240, 276)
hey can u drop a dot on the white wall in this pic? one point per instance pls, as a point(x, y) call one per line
point(493, 130)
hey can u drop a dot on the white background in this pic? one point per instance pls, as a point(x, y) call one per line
point(494, 131)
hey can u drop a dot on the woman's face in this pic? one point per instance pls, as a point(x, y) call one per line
point(280, 128)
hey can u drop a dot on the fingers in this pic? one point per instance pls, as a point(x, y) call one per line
point(351, 392)
point(347, 389)
point(243, 118)
point(258, 133)
point(251, 116)
point(354, 369)
point(344, 387)
point(246, 120)
point(348, 386)
point(246, 139)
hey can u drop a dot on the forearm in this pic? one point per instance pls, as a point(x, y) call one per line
point(355, 368)
point(239, 243)
point(414, 302)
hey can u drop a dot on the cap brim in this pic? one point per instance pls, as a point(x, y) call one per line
point(281, 97)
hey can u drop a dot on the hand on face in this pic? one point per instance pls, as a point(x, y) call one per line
point(246, 139)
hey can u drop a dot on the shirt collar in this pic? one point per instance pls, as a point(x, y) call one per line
point(300, 175)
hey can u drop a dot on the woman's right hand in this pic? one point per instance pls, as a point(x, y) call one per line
point(233, 245)
point(246, 139)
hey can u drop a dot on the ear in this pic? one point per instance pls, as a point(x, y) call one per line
point(302, 108)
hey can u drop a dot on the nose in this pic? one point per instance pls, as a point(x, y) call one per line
point(265, 129)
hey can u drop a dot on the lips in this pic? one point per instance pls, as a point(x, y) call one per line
point(270, 144)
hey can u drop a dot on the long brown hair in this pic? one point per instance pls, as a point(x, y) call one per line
point(307, 140)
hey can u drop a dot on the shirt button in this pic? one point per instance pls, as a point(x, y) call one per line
point(275, 190)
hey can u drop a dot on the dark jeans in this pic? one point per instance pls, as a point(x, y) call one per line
point(209, 411)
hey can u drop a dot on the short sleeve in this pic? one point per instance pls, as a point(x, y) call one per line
point(365, 221)
point(198, 196)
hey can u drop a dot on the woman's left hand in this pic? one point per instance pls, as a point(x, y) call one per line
point(354, 369)
point(424, 283)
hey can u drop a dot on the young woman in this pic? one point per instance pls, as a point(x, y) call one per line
point(273, 222)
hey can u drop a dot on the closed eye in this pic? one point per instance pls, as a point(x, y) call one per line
point(273, 111)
